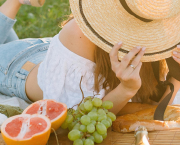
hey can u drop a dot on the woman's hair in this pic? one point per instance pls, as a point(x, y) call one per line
point(105, 77)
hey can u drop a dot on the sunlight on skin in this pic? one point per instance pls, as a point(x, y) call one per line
point(10, 8)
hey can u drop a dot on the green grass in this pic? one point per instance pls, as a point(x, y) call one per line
point(33, 22)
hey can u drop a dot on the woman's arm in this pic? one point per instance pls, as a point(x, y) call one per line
point(119, 96)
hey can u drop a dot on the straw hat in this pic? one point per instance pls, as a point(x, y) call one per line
point(154, 24)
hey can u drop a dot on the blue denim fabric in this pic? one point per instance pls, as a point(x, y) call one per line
point(7, 34)
point(14, 54)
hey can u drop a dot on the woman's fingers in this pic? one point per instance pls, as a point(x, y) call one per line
point(135, 61)
point(176, 55)
point(176, 59)
point(127, 58)
point(114, 52)
point(123, 69)
point(114, 56)
point(128, 75)
point(137, 70)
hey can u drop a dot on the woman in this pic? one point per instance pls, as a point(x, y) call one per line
point(33, 69)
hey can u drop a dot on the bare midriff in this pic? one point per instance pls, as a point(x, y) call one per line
point(33, 91)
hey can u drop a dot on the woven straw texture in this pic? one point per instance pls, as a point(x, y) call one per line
point(106, 22)
point(114, 138)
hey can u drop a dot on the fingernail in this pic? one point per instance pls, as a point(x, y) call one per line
point(138, 47)
point(174, 52)
point(178, 46)
point(120, 43)
point(144, 48)
point(174, 57)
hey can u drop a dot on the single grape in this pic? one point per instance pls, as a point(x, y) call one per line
point(83, 140)
point(107, 104)
point(77, 116)
point(112, 116)
point(78, 119)
point(93, 122)
point(88, 142)
point(101, 111)
point(77, 126)
point(88, 105)
point(64, 125)
point(106, 123)
point(71, 125)
point(102, 117)
point(93, 115)
point(81, 134)
point(106, 111)
point(70, 111)
point(97, 102)
point(76, 112)
point(91, 137)
point(101, 128)
point(88, 98)
point(110, 121)
point(74, 134)
point(83, 128)
point(94, 109)
point(104, 135)
point(85, 120)
point(90, 128)
point(78, 142)
point(81, 106)
point(69, 119)
point(97, 137)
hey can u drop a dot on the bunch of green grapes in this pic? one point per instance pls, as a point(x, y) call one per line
point(89, 122)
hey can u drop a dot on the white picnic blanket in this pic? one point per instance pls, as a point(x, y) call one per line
point(13, 101)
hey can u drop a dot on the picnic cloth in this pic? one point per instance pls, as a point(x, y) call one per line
point(9, 111)
point(10, 106)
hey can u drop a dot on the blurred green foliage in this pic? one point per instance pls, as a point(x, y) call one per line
point(33, 22)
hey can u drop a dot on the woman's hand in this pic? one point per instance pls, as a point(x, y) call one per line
point(176, 55)
point(127, 71)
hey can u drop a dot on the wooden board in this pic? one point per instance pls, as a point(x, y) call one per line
point(171, 137)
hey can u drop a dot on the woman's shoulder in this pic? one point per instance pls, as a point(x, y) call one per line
point(73, 39)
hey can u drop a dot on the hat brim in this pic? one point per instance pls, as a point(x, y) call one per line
point(106, 22)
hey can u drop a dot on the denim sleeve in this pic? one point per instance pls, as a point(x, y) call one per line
point(6, 25)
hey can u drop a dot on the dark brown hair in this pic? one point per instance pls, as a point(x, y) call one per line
point(106, 77)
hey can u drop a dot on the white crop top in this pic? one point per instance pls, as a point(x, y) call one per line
point(60, 72)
